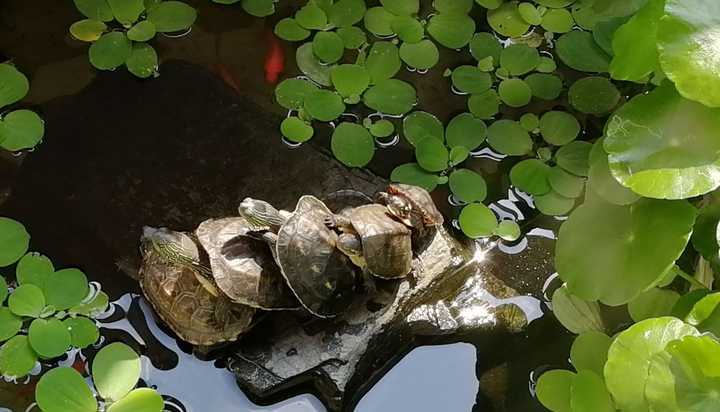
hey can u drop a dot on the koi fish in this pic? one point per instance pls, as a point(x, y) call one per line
point(226, 75)
point(274, 59)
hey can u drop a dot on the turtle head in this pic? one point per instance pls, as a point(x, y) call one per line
point(259, 213)
point(351, 246)
point(398, 206)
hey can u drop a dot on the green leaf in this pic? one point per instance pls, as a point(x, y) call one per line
point(92, 308)
point(519, 59)
point(408, 29)
point(662, 145)
point(618, 8)
point(345, 13)
point(688, 43)
point(378, 21)
point(170, 16)
point(353, 37)
point(3, 289)
point(352, 144)
point(49, 338)
point(115, 370)
point(21, 129)
point(311, 17)
point(704, 237)
point(484, 105)
point(311, 66)
point(554, 204)
point(259, 8)
point(634, 44)
point(422, 55)
point(544, 86)
point(704, 313)
point(10, 324)
point(470, 79)
point(419, 125)
point(564, 183)
point(578, 50)
point(64, 390)
point(530, 13)
point(553, 390)
point(514, 92)
point(27, 300)
point(601, 180)
point(531, 176)
point(87, 30)
point(685, 304)
point(95, 9)
point(588, 393)
point(485, 45)
point(573, 157)
point(557, 21)
point(13, 85)
point(383, 61)
point(555, 4)
point(65, 288)
point(382, 128)
point(626, 370)
point(465, 130)
point(110, 51)
point(453, 6)
point(431, 154)
point(289, 29)
point(17, 357)
point(401, 7)
point(559, 128)
point(139, 400)
point(328, 47)
point(296, 130)
point(604, 32)
point(640, 242)
point(477, 220)
point(142, 31)
point(508, 137)
point(34, 269)
point(126, 12)
point(530, 122)
point(324, 105)
point(83, 331)
point(508, 230)
point(585, 16)
point(413, 174)
point(291, 93)
point(589, 351)
point(653, 303)
point(594, 95)
point(143, 61)
point(458, 155)
point(546, 65)
point(490, 4)
point(393, 97)
point(468, 185)
point(507, 20)
point(452, 30)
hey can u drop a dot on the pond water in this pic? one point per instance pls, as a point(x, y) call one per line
point(120, 153)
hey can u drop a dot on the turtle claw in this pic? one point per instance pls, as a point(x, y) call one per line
point(330, 222)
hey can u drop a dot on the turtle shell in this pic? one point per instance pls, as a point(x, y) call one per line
point(242, 266)
point(387, 245)
point(319, 274)
point(188, 307)
point(421, 202)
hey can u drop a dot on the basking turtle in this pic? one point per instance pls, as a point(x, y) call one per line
point(171, 279)
point(320, 275)
point(413, 206)
point(242, 266)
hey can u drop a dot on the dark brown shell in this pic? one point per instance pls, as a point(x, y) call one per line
point(319, 274)
point(242, 266)
point(387, 245)
point(421, 202)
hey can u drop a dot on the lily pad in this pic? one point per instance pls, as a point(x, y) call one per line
point(589, 351)
point(17, 358)
point(604, 32)
point(467, 185)
point(458, 155)
point(564, 183)
point(578, 50)
point(34, 269)
point(530, 122)
point(3, 289)
point(324, 105)
point(653, 303)
point(170, 16)
point(87, 30)
point(545, 86)
point(291, 93)
point(466, 130)
point(635, 44)
point(484, 45)
point(680, 159)
point(328, 46)
point(311, 17)
point(311, 66)
point(419, 125)
point(378, 21)
point(601, 180)
point(10, 324)
point(687, 44)
point(559, 128)
point(27, 300)
point(382, 128)
point(413, 174)
point(519, 59)
point(95, 9)
point(350, 79)
point(63, 389)
point(115, 370)
point(477, 220)
point(508, 137)
point(110, 51)
point(401, 7)
point(139, 400)
point(546, 65)
point(594, 95)
point(557, 21)
point(142, 31)
point(588, 393)
point(575, 314)
point(49, 338)
point(554, 204)
point(92, 308)
point(514, 92)
point(143, 61)
point(21, 129)
point(345, 13)
point(13, 85)
point(531, 176)
point(633, 254)
point(14, 241)
point(470, 79)
point(530, 13)
point(259, 8)
point(452, 30)
point(408, 29)
point(296, 130)
point(574, 157)
point(393, 97)
point(83, 331)
point(507, 20)
point(126, 11)
point(422, 55)
point(352, 144)
point(453, 6)
point(289, 29)
point(508, 230)
point(65, 288)
point(484, 105)
point(553, 390)
point(431, 154)
point(353, 37)
point(383, 61)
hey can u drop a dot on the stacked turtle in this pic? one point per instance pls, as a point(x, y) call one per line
point(270, 259)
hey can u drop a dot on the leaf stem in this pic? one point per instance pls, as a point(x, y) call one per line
point(691, 279)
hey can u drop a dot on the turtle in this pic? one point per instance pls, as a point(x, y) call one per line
point(320, 275)
point(375, 241)
point(243, 267)
point(170, 278)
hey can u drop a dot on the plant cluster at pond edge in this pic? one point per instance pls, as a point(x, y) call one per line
point(19, 129)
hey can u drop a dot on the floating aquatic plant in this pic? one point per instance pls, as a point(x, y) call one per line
point(19, 129)
point(120, 29)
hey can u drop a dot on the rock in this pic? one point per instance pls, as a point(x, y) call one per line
point(342, 356)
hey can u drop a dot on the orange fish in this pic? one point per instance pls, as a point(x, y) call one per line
point(226, 75)
point(274, 59)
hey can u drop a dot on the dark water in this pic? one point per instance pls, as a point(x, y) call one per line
point(84, 194)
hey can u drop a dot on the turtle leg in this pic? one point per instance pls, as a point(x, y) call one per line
point(337, 221)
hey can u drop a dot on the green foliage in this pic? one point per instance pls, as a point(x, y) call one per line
point(19, 129)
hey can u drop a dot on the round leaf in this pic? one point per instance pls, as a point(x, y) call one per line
point(383, 61)
point(559, 128)
point(530, 13)
point(546, 65)
point(576, 314)
point(34, 269)
point(17, 358)
point(13, 85)
point(514, 92)
point(408, 29)
point(553, 390)
point(564, 183)
point(531, 176)
point(422, 55)
point(115, 370)
point(311, 17)
point(65, 288)
point(468, 185)
point(170, 16)
point(259, 8)
point(508, 137)
point(601, 181)
point(554, 204)
point(49, 338)
point(451, 30)
point(126, 11)
point(419, 125)
point(142, 31)
point(345, 13)
point(431, 154)
point(635, 44)
point(95, 9)
point(10, 324)
point(296, 130)
point(83, 331)
point(27, 300)
point(143, 61)
point(382, 128)
point(111, 50)
point(544, 86)
point(413, 174)
point(353, 37)
point(289, 29)
point(352, 144)
point(92, 308)
point(477, 220)
point(507, 20)
point(652, 303)
point(401, 7)
point(378, 21)
point(578, 50)
point(139, 400)
point(350, 79)
point(470, 79)
point(519, 59)
point(465, 130)
point(311, 66)
point(324, 105)
point(573, 157)
point(393, 97)
point(291, 93)
point(484, 105)
point(21, 129)
point(485, 45)
point(588, 393)
point(88, 29)
point(64, 390)
point(594, 95)
point(557, 21)
point(529, 121)
point(589, 351)
point(328, 46)
point(508, 230)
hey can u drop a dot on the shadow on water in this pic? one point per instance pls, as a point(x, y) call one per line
point(121, 153)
